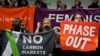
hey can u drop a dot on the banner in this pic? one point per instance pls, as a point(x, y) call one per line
point(79, 36)
point(28, 44)
point(57, 16)
point(26, 14)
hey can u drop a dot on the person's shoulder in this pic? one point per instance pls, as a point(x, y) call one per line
point(73, 7)
point(44, 5)
point(89, 6)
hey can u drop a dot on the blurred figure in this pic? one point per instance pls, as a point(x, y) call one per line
point(22, 3)
point(94, 4)
point(63, 6)
point(46, 26)
point(18, 26)
point(43, 4)
point(38, 4)
point(58, 4)
point(78, 17)
point(4, 3)
point(77, 4)
point(12, 3)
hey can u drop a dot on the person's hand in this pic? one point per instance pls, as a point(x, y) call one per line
point(38, 24)
point(56, 31)
point(38, 27)
point(22, 25)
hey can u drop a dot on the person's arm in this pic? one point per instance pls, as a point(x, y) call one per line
point(58, 36)
point(11, 4)
point(38, 27)
point(24, 29)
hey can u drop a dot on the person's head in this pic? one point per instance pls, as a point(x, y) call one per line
point(38, 4)
point(16, 22)
point(46, 24)
point(41, 0)
point(78, 17)
point(77, 3)
point(24, 2)
point(63, 6)
point(94, 1)
point(58, 3)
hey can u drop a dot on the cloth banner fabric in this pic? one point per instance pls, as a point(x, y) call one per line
point(28, 44)
point(79, 36)
point(57, 16)
point(26, 14)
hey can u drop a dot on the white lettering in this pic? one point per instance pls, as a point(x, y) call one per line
point(69, 41)
point(66, 27)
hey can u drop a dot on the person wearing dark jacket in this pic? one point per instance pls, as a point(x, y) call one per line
point(1, 32)
point(94, 4)
point(41, 3)
point(22, 3)
point(77, 4)
point(17, 26)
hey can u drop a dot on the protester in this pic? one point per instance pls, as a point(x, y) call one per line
point(37, 4)
point(94, 4)
point(77, 4)
point(4, 4)
point(41, 3)
point(77, 17)
point(58, 4)
point(46, 26)
point(22, 3)
point(17, 26)
point(63, 6)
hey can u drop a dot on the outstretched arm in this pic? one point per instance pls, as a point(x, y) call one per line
point(38, 27)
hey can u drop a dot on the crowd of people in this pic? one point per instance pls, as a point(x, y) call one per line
point(63, 6)
point(42, 4)
point(77, 4)
point(46, 24)
point(13, 3)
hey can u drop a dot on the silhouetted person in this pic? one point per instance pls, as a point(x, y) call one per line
point(22, 3)
point(41, 3)
point(37, 4)
point(17, 26)
point(77, 4)
point(94, 4)
point(58, 4)
point(63, 6)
